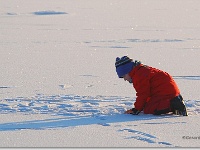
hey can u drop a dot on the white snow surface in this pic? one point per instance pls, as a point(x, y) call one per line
point(58, 83)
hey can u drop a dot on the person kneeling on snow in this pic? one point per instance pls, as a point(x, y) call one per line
point(156, 91)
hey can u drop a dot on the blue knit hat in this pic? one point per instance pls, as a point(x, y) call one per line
point(123, 66)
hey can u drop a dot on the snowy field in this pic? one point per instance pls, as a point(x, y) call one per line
point(58, 83)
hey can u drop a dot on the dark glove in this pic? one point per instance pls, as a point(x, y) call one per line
point(132, 111)
point(135, 111)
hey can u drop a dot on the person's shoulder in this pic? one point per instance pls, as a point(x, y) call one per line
point(142, 71)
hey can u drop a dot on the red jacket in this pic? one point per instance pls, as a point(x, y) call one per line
point(154, 88)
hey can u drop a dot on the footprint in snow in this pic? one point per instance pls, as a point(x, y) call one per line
point(164, 143)
point(145, 137)
point(64, 86)
point(104, 124)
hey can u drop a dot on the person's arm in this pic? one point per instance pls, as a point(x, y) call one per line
point(142, 86)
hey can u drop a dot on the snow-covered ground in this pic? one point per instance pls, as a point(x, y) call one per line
point(58, 83)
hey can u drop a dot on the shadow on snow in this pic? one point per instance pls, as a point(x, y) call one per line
point(76, 121)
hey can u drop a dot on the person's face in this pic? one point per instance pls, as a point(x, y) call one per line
point(127, 78)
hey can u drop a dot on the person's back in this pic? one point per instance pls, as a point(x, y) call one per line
point(155, 88)
point(156, 91)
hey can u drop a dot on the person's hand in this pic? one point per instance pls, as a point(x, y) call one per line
point(129, 111)
point(132, 111)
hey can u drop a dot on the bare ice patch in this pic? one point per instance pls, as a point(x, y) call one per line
point(6, 87)
point(187, 77)
point(11, 14)
point(49, 12)
point(124, 43)
point(154, 40)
